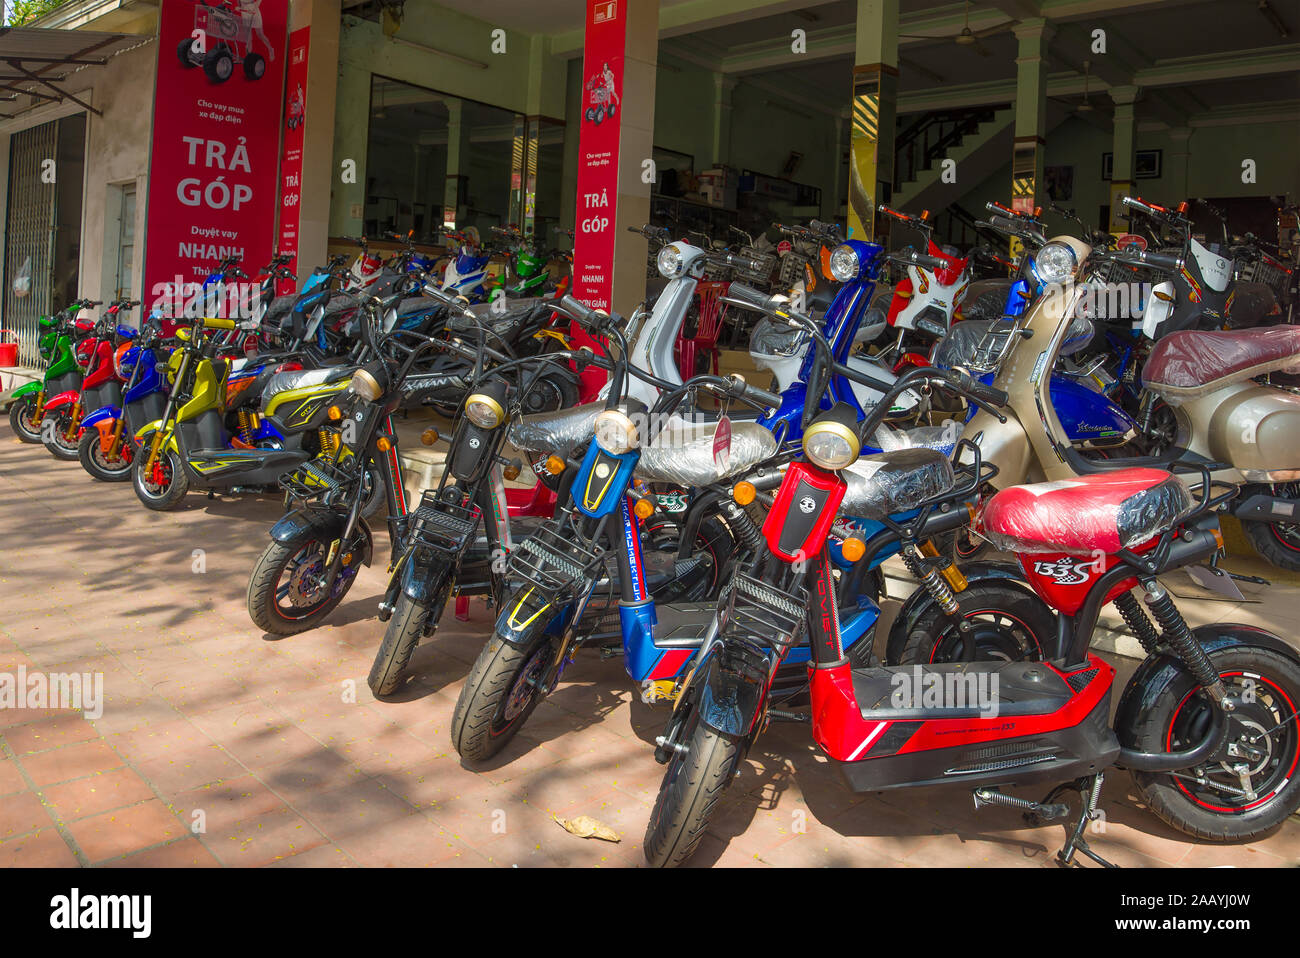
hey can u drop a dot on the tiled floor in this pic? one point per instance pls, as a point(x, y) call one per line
point(219, 745)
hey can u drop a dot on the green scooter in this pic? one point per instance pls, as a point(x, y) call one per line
point(63, 372)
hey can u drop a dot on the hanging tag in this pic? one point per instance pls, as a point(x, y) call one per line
point(722, 443)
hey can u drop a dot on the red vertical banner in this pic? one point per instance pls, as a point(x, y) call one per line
point(295, 117)
point(214, 156)
point(598, 141)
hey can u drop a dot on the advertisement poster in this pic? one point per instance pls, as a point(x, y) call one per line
point(215, 153)
point(295, 115)
point(598, 138)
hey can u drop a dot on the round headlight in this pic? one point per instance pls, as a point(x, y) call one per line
point(365, 385)
point(671, 262)
point(1055, 263)
point(844, 263)
point(830, 444)
point(484, 411)
point(615, 432)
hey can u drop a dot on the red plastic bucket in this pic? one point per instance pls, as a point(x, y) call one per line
point(8, 351)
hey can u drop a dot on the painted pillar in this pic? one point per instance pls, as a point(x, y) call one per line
point(1121, 170)
point(1027, 190)
point(616, 133)
point(875, 94)
point(456, 136)
point(1180, 152)
point(723, 87)
point(348, 170)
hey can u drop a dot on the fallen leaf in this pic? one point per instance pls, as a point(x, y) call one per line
point(584, 826)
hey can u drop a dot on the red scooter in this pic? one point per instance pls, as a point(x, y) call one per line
point(101, 386)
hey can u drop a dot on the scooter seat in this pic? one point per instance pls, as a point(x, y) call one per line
point(887, 483)
point(1191, 363)
point(682, 452)
point(302, 378)
point(1104, 513)
point(560, 431)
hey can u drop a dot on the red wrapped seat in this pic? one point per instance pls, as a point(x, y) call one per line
point(1191, 363)
point(1098, 513)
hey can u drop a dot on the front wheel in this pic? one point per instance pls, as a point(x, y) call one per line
point(499, 694)
point(693, 782)
point(287, 593)
point(164, 485)
point(22, 421)
point(1008, 624)
point(54, 435)
point(410, 621)
point(90, 450)
point(1250, 787)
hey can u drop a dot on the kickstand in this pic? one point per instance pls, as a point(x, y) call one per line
point(1089, 789)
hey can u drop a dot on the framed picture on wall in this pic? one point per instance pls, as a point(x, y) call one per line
point(1147, 164)
point(1059, 181)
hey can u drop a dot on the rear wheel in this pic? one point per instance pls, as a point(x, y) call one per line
point(164, 485)
point(499, 694)
point(1008, 624)
point(1236, 797)
point(90, 450)
point(218, 65)
point(21, 421)
point(286, 592)
point(254, 66)
point(692, 784)
point(54, 436)
point(1278, 542)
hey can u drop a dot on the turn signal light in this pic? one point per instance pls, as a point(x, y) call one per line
point(554, 465)
point(1218, 537)
point(512, 470)
point(383, 444)
point(743, 493)
point(335, 413)
point(644, 508)
point(853, 549)
point(429, 436)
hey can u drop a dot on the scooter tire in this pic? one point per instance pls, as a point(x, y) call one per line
point(53, 437)
point(1275, 677)
point(20, 420)
point(90, 452)
point(1265, 537)
point(408, 625)
point(688, 795)
point(172, 496)
point(480, 726)
point(1021, 627)
point(265, 579)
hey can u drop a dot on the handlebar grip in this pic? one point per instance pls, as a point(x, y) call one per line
point(743, 390)
point(749, 296)
point(593, 319)
point(1168, 261)
point(988, 394)
point(213, 322)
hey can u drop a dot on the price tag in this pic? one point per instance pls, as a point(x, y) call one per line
point(722, 443)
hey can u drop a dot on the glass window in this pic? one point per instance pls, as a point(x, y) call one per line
point(436, 162)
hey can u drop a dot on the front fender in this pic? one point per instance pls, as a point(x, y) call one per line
point(1157, 671)
point(27, 389)
point(920, 601)
point(729, 688)
point(327, 525)
point(527, 614)
point(425, 574)
point(61, 400)
point(101, 417)
point(144, 436)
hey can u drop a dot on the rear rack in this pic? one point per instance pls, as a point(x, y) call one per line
point(443, 526)
point(315, 479)
point(554, 564)
point(754, 609)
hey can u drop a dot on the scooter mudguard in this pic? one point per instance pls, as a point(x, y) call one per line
point(730, 688)
point(920, 602)
point(324, 524)
point(1158, 672)
point(61, 400)
point(425, 574)
point(26, 389)
point(104, 415)
point(144, 436)
point(528, 614)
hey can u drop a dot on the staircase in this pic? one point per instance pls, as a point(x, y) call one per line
point(979, 141)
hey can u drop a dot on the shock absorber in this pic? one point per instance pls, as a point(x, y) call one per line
point(1180, 638)
point(743, 526)
point(934, 583)
point(1137, 622)
point(245, 433)
point(328, 442)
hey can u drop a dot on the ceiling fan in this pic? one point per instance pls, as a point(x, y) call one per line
point(966, 37)
point(1085, 105)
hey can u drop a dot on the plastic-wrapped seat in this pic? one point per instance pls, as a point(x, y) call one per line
point(1192, 363)
point(682, 453)
point(559, 431)
point(888, 483)
point(1099, 513)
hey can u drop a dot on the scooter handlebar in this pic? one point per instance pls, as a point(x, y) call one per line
point(752, 394)
point(593, 319)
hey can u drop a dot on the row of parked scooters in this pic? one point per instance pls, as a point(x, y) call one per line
point(733, 559)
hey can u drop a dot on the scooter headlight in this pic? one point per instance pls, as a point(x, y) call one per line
point(844, 263)
point(671, 262)
point(365, 385)
point(1055, 263)
point(615, 432)
point(484, 411)
point(830, 444)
